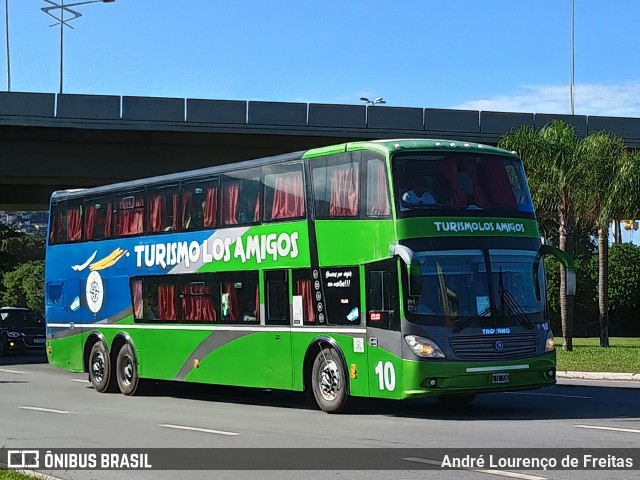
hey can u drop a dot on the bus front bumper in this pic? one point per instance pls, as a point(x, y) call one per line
point(422, 378)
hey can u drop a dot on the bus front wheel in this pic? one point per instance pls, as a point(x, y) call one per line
point(328, 381)
point(127, 370)
point(100, 368)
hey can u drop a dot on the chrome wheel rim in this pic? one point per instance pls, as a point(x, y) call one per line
point(98, 367)
point(126, 371)
point(329, 381)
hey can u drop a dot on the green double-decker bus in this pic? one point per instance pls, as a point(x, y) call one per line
point(391, 269)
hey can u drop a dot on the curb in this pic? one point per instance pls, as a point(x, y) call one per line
point(619, 377)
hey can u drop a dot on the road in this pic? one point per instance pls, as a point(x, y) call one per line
point(44, 407)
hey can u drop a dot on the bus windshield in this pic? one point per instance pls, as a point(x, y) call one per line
point(459, 181)
point(457, 289)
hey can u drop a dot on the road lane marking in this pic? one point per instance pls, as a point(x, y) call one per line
point(198, 429)
point(547, 395)
point(6, 370)
point(41, 409)
point(80, 380)
point(613, 429)
point(522, 476)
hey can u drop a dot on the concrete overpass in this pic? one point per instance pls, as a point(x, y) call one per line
point(50, 141)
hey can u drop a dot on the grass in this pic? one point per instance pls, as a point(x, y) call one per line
point(623, 355)
point(13, 475)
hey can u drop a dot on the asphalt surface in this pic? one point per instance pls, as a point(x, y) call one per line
point(44, 407)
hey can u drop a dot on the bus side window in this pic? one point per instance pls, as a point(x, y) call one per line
point(277, 290)
point(199, 204)
point(162, 209)
point(377, 190)
point(129, 214)
point(241, 197)
point(284, 193)
point(336, 185)
point(302, 287)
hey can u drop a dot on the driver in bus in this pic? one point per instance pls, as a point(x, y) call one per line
point(421, 193)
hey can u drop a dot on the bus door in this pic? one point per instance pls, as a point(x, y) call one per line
point(383, 329)
point(278, 330)
point(63, 309)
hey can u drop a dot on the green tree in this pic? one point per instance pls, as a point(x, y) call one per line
point(624, 285)
point(549, 157)
point(602, 156)
point(24, 286)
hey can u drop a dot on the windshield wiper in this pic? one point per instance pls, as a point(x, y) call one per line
point(507, 299)
point(462, 324)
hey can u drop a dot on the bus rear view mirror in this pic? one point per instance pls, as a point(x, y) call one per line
point(414, 271)
point(565, 260)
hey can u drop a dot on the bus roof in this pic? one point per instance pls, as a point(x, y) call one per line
point(392, 146)
point(387, 147)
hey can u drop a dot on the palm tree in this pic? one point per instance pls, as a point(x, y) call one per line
point(602, 157)
point(549, 157)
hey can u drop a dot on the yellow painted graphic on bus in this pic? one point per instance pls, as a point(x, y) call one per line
point(109, 260)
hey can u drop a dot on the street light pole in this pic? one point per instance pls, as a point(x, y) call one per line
point(6, 23)
point(572, 57)
point(65, 23)
point(376, 101)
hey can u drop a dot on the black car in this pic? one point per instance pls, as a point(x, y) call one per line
point(21, 329)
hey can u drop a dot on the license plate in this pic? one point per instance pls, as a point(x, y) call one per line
point(500, 378)
point(38, 340)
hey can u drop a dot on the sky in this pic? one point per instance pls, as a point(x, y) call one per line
point(490, 55)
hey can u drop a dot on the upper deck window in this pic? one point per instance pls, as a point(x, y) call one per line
point(336, 181)
point(129, 214)
point(284, 193)
point(459, 181)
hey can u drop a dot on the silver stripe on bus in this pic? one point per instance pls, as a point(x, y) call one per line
point(239, 328)
point(497, 369)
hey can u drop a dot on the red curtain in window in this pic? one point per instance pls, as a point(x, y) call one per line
point(89, 222)
point(74, 225)
point(176, 203)
point(107, 221)
point(129, 221)
point(288, 198)
point(55, 231)
point(230, 194)
point(187, 200)
point(470, 167)
point(197, 304)
point(379, 199)
point(303, 287)
point(497, 181)
point(157, 213)
point(211, 207)
point(344, 192)
point(167, 302)
point(256, 211)
point(136, 293)
point(449, 170)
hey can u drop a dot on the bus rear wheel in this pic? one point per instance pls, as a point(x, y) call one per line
point(127, 370)
point(329, 381)
point(100, 368)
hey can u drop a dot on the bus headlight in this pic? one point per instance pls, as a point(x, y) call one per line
point(550, 345)
point(423, 347)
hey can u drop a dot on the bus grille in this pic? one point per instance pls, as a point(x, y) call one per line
point(488, 347)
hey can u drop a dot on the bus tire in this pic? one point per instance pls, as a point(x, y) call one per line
point(100, 373)
point(457, 399)
point(329, 381)
point(127, 370)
